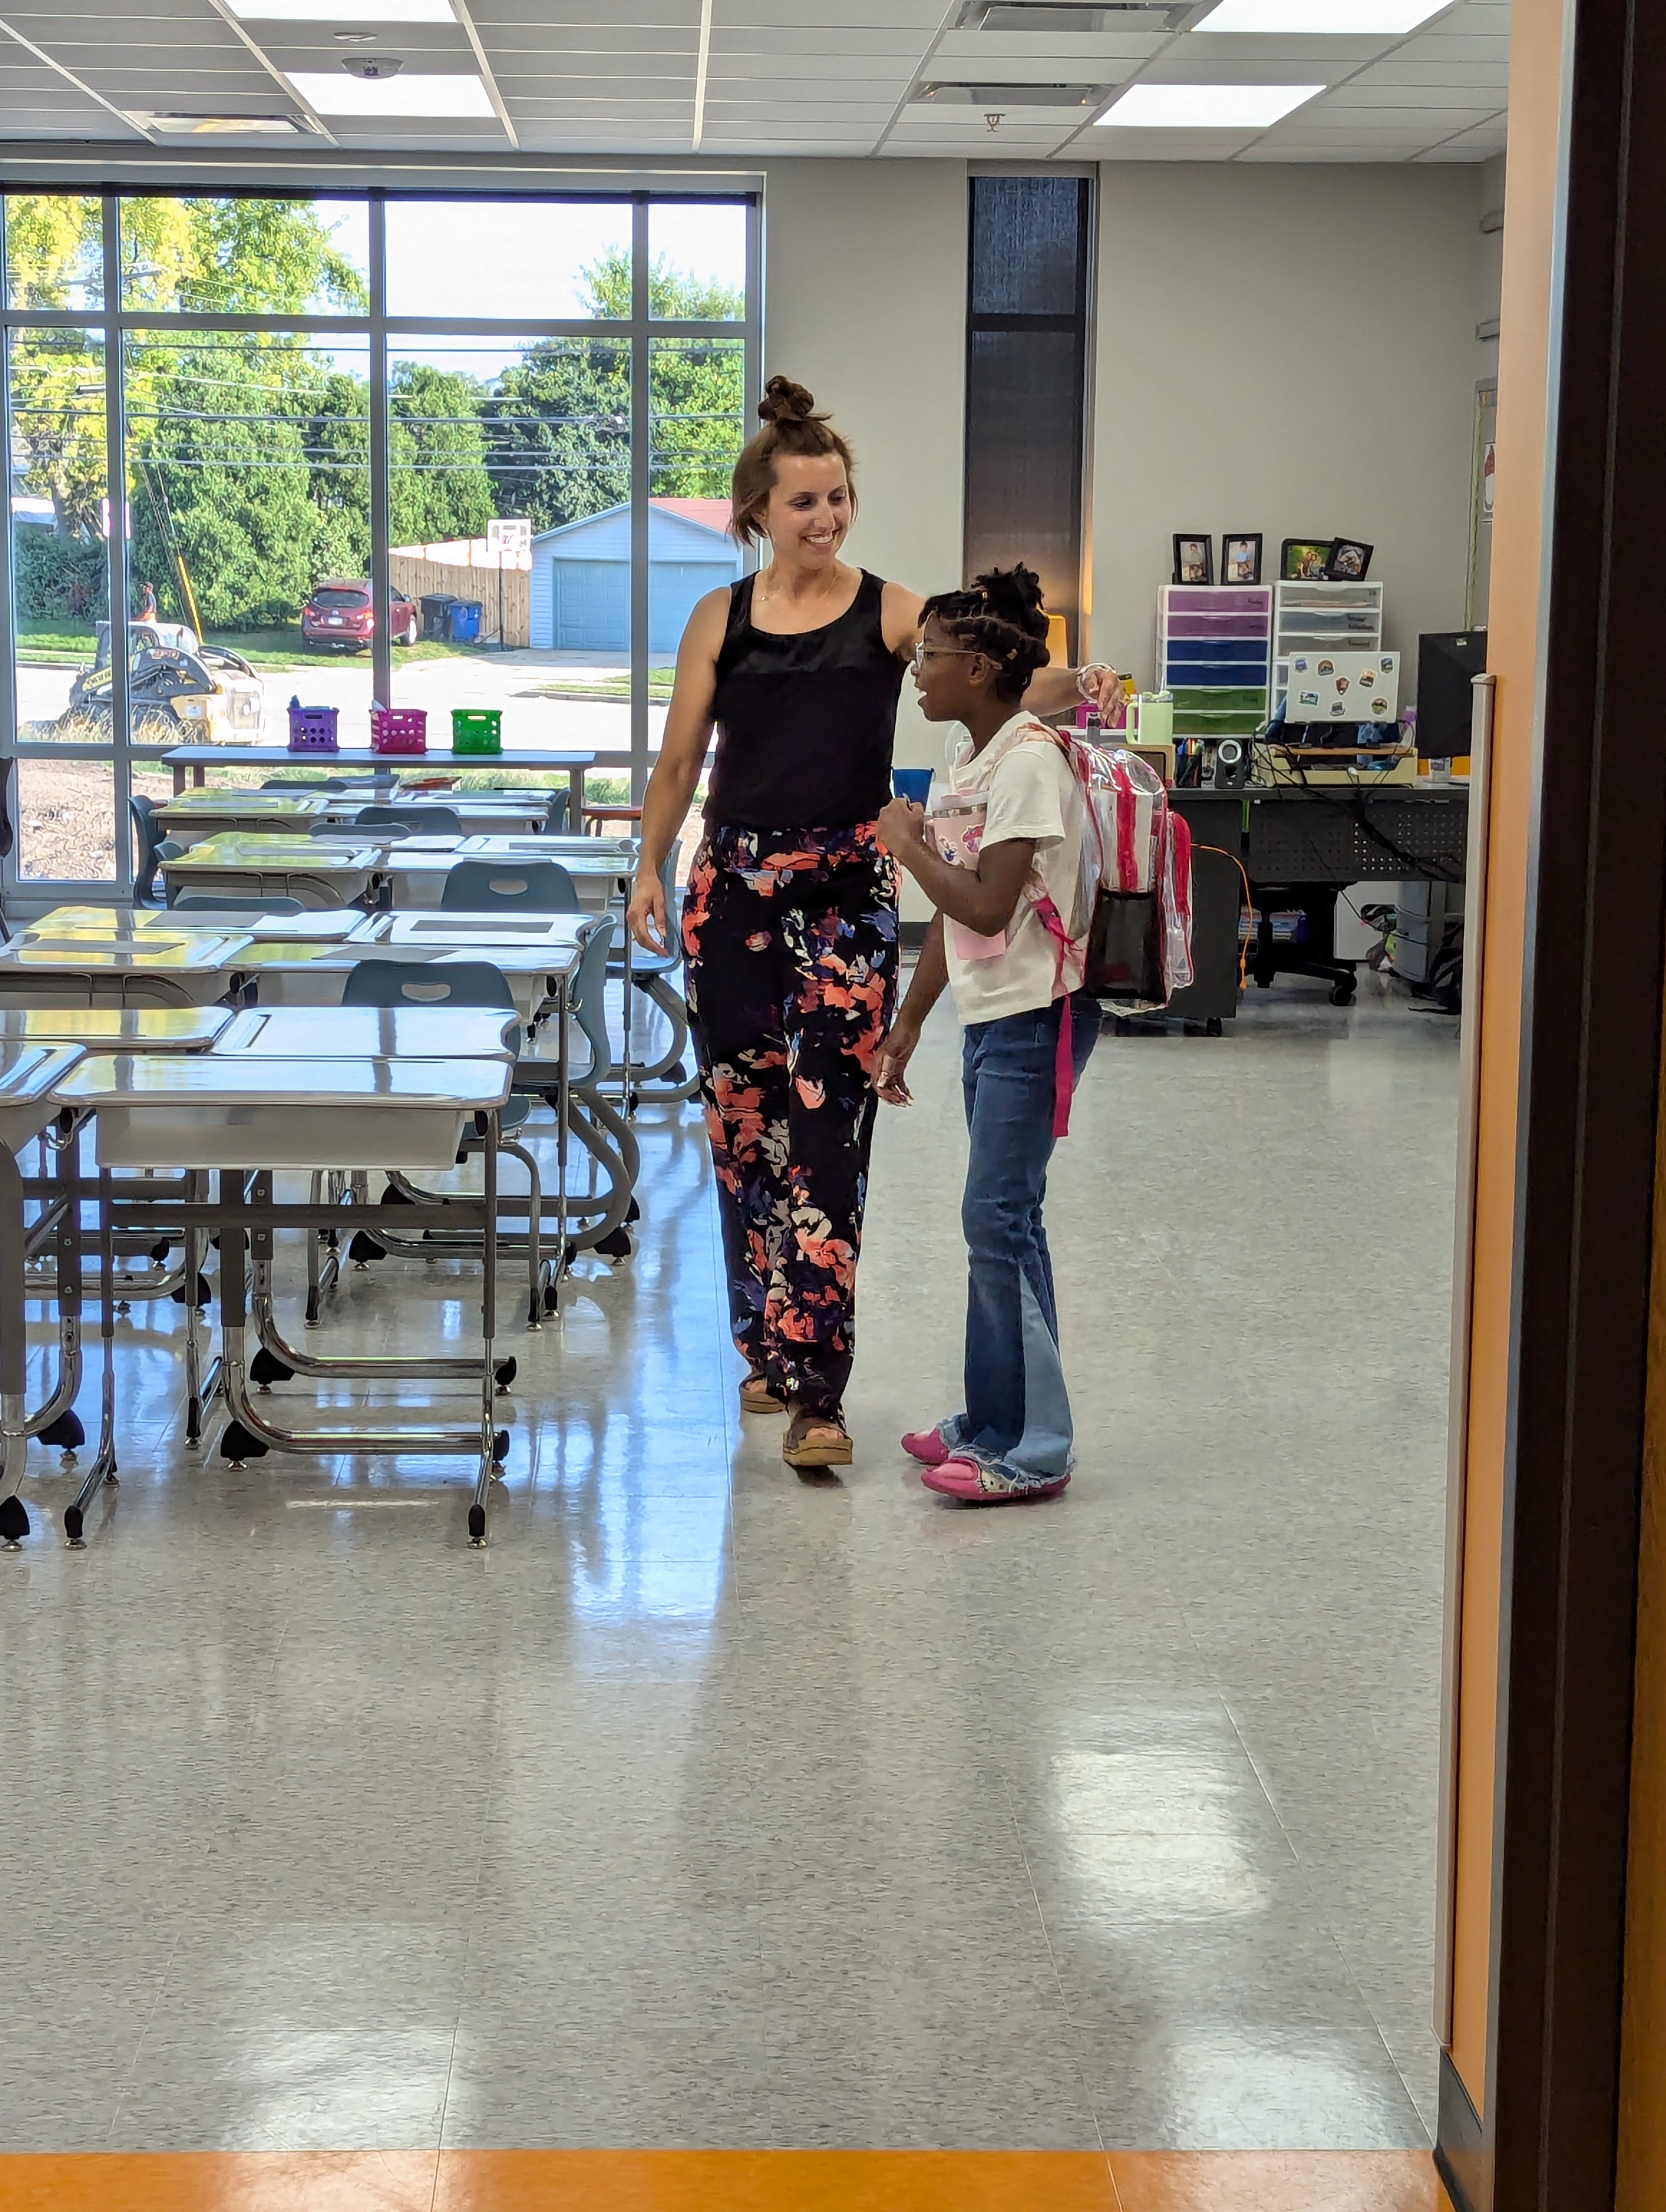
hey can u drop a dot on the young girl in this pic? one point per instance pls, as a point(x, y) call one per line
point(989, 942)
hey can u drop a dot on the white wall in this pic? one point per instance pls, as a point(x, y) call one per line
point(1212, 413)
point(864, 302)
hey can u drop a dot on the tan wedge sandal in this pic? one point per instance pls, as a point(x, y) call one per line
point(831, 1449)
point(758, 1396)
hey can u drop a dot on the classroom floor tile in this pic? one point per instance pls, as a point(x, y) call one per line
point(711, 1810)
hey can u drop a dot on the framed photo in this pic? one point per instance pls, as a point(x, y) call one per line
point(1305, 560)
point(1349, 560)
point(1240, 558)
point(1194, 559)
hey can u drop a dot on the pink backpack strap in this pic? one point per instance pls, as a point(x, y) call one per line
point(1064, 1064)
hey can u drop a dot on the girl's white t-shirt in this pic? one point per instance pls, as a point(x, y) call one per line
point(1028, 791)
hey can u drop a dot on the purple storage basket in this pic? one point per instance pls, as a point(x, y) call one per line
point(312, 729)
point(398, 729)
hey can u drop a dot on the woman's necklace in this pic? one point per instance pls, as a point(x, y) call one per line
point(766, 591)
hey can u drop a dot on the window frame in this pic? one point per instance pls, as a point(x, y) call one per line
point(115, 323)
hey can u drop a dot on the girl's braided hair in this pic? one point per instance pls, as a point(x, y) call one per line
point(999, 613)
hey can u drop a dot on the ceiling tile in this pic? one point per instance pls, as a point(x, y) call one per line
point(785, 76)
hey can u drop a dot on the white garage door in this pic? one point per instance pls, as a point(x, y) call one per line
point(592, 606)
point(673, 588)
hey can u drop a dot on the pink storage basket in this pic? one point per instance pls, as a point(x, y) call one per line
point(398, 729)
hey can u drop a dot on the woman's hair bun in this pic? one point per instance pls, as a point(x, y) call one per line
point(783, 401)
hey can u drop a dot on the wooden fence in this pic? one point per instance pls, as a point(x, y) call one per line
point(420, 578)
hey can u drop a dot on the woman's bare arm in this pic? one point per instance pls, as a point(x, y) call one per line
point(1053, 691)
point(683, 748)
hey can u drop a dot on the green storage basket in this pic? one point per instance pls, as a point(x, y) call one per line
point(476, 730)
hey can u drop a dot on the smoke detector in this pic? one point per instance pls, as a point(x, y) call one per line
point(372, 66)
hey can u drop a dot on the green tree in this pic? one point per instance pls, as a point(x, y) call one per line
point(219, 426)
point(222, 472)
point(672, 296)
point(561, 447)
point(438, 484)
point(560, 430)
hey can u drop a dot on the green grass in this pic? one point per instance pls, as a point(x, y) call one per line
point(615, 684)
point(51, 642)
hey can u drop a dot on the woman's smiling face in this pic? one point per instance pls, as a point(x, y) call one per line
point(810, 508)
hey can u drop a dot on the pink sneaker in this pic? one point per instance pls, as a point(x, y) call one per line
point(927, 1445)
point(984, 1486)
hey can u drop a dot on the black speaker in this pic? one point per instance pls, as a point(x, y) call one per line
point(1232, 764)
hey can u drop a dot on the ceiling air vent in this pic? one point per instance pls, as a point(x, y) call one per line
point(1005, 96)
point(1031, 17)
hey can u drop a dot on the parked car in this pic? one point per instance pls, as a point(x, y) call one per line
point(175, 684)
point(337, 616)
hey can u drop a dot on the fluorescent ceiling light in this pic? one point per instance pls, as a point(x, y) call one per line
point(343, 11)
point(1207, 107)
point(1318, 19)
point(218, 126)
point(337, 94)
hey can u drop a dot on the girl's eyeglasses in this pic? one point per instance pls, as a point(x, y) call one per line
point(923, 653)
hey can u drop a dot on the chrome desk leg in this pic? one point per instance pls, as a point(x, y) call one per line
point(489, 1465)
point(250, 1432)
point(14, 1349)
point(103, 1468)
point(201, 1387)
point(56, 1423)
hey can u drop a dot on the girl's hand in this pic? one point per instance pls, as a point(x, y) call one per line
point(901, 827)
point(896, 1051)
point(645, 916)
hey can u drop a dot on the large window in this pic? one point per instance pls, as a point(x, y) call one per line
point(1026, 369)
point(318, 409)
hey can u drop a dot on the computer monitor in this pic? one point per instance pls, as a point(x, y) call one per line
point(1448, 663)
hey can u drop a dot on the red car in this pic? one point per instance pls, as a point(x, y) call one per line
point(338, 616)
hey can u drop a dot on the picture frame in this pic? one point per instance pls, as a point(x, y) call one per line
point(1194, 557)
point(1241, 557)
point(1305, 560)
point(1350, 557)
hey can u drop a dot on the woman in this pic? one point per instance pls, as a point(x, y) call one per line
point(789, 927)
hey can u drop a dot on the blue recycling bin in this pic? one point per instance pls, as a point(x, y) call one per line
point(466, 622)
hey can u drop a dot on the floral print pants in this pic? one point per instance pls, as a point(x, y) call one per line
point(790, 938)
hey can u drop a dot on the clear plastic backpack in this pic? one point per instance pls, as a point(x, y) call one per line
point(1134, 900)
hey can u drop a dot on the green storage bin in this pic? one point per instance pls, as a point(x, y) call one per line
point(1210, 724)
point(1201, 699)
point(476, 730)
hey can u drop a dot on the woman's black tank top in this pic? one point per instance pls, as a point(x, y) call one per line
point(805, 724)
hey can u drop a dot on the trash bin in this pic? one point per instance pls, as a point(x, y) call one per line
point(466, 622)
point(437, 613)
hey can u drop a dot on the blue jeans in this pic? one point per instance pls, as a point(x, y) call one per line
point(1017, 1413)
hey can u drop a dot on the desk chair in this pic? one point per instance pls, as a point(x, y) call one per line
point(510, 887)
point(594, 1120)
point(305, 783)
point(424, 820)
point(237, 903)
point(152, 850)
point(555, 814)
point(457, 983)
point(651, 974)
point(1314, 953)
point(597, 817)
